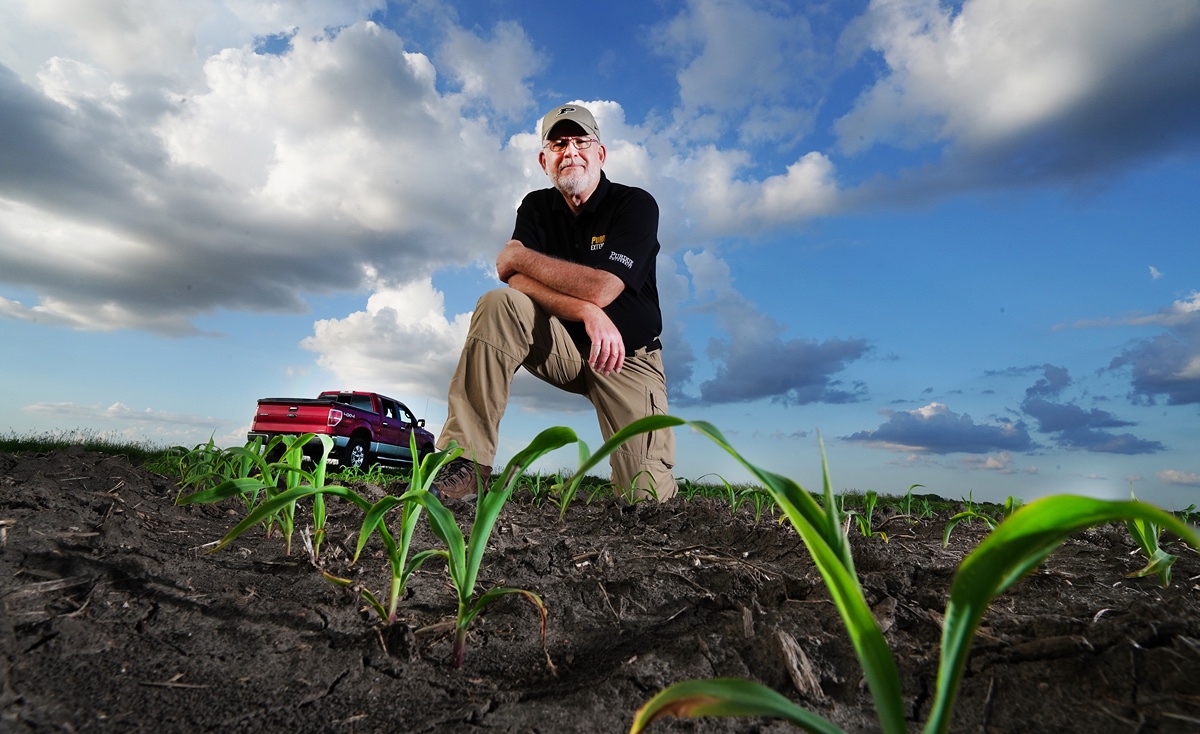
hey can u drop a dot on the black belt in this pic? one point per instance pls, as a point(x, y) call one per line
point(654, 345)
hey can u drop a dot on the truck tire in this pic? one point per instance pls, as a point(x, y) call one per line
point(355, 454)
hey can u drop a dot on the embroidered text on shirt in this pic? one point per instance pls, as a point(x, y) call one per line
point(624, 260)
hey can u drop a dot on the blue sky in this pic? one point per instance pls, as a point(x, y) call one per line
point(960, 242)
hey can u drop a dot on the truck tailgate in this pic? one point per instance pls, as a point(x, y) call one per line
point(296, 417)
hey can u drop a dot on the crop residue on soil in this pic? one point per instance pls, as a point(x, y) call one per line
point(115, 617)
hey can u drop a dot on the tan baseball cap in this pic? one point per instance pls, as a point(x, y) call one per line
point(577, 114)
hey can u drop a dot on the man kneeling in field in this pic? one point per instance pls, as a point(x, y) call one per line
point(580, 312)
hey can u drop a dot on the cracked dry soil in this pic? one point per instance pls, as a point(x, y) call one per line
point(115, 618)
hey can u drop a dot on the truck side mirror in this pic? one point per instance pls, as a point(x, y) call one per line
point(421, 423)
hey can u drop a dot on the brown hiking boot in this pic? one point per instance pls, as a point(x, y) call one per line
point(461, 478)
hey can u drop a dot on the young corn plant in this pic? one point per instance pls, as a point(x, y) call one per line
point(375, 474)
point(538, 486)
point(1190, 514)
point(688, 489)
point(251, 462)
point(1145, 533)
point(762, 501)
point(865, 520)
point(1016, 547)
point(420, 479)
point(204, 465)
point(270, 475)
point(908, 509)
point(374, 518)
point(463, 558)
point(969, 514)
point(736, 498)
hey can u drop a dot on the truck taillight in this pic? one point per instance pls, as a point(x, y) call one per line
point(335, 416)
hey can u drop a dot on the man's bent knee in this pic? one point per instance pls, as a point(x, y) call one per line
point(503, 315)
point(503, 300)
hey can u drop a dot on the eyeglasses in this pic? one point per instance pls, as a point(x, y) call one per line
point(561, 144)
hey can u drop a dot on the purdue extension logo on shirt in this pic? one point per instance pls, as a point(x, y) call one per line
point(624, 260)
point(598, 244)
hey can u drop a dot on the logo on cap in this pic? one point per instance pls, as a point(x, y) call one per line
point(565, 110)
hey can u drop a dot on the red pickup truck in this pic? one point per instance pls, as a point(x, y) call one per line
point(366, 427)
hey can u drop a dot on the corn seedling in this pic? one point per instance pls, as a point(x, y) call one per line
point(635, 495)
point(907, 507)
point(600, 489)
point(374, 516)
point(203, 466)
point(1145, 533)
point(539, 487)
point(762, 501)
point(375, 474)
point(464, 558)
point(1011, 505)
point(689, 489)
point(292, 476)
point(270, 476)
point(421, 477)
point(1190, 514)
point(865, 520)
point(969, 514)
point(735, 497)
point(1016, 547)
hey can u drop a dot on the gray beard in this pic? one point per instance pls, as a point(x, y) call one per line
point(574, 184)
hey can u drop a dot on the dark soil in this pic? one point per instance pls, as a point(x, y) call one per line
point(115, 617)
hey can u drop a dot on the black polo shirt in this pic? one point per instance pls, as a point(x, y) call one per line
point(617, 232)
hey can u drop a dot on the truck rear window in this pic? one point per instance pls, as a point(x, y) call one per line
point(362, 402)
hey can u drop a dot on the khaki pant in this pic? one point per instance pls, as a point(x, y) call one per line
point(508, 330)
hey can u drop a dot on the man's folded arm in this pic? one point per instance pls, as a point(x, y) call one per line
point(586, 283)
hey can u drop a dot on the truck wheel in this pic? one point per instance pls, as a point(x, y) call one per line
point(355, 454)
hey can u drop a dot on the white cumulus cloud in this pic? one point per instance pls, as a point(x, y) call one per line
point(1183, 478)
point(402, 342)
point(992, 68)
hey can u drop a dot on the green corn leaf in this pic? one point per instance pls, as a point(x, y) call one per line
point(223, 491)
point(822, 535)
point(1145, 534)
point(832, 530)
point(1014, 548)
point(318, 480)
point(376, 605)
point(262, 512)
point(727, 697)
point(373, 518)
point(250, 456)
point(419, 559)
point(280, 501)
point(638, 427)
point(426, 471)
point(965, 515)
point(337, 580)
point(500, 592)
point(490, 503)
point(1159, 565)
point(442, 522)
